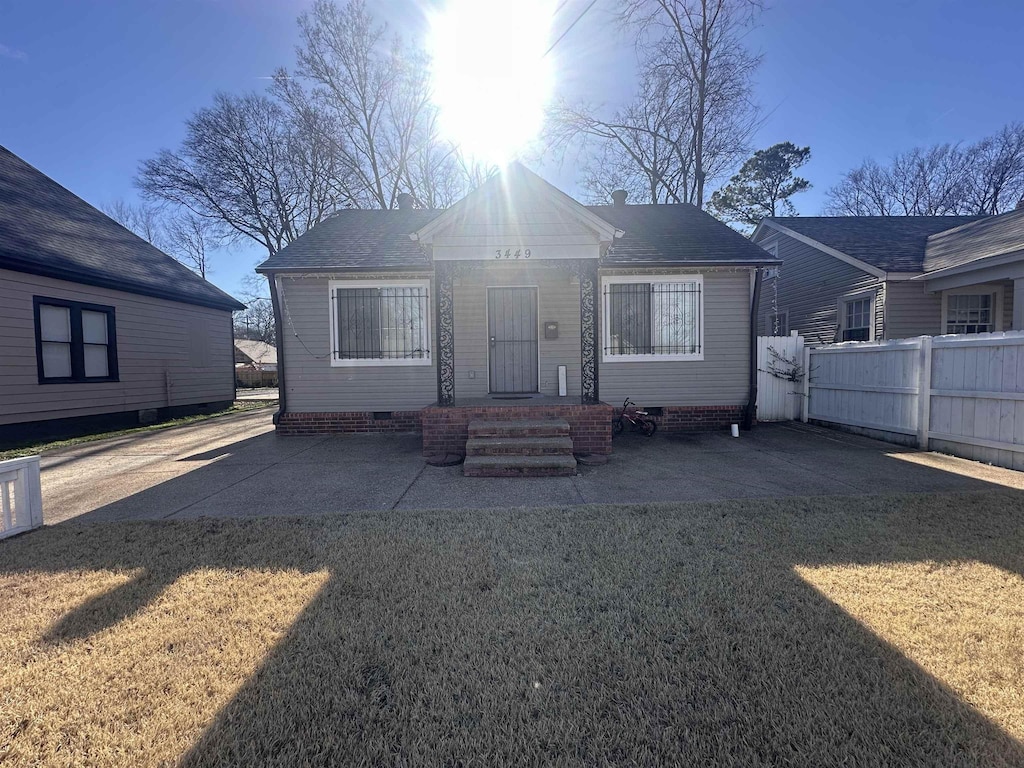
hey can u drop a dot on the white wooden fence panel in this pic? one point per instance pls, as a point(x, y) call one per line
point(972, 387)
point(21, 499)
point(778, 399)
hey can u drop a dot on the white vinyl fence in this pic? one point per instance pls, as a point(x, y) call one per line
point(779, 385)
point(21, 500)
point(960, 394)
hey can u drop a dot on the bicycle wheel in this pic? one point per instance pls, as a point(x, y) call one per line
point(649, 427)
point(617, 427)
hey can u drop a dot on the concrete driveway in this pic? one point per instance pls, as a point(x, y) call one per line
point(238, 466)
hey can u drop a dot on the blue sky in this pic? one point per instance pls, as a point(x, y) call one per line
point(88, 88)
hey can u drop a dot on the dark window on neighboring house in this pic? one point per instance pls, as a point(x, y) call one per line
point(74, 341)
point(778, 323)
point(857, 319)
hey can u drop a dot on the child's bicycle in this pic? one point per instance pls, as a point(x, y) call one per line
point(639, 420)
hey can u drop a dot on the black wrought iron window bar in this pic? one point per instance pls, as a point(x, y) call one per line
point(653, 318)
point(385, 323)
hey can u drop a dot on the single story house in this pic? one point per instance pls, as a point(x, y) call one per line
point(255, 363)
point(97, 327)
point(517, 302)
point(861, 278)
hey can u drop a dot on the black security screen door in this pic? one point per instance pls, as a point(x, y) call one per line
point(512, 329)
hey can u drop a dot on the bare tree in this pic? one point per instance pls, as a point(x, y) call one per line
point(374, 96)
point(692, 117)
point(997, 180)
point(251, 167)
point(190, 239)
point(144, 220)
point(256, 321)
point(983, 178)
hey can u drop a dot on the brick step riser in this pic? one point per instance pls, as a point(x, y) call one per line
point(512, 452)
point(518, 432)
point(547, 446)
point(519, 472)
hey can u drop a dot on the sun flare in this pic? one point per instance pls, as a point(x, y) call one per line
point(491, 76)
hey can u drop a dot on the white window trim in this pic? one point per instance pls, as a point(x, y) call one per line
point(976, 290)
point(606, 340)
point(841, 309)
point(772, 246)
point(337, 362)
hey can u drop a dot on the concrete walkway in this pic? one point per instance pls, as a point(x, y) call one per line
point(237, 466)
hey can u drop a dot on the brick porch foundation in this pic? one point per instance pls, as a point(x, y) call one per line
point(446, 428)
point(348, 421)
point(698, 418)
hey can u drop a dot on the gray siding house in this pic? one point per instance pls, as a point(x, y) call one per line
point(97, 325)
point(518, 301)
point(860, 278)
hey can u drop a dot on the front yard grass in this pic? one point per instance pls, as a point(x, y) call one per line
point(854, 631)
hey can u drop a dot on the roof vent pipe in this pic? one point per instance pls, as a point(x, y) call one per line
point(619, 197)
point(405, 201)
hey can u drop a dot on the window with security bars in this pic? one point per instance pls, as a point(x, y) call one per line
point(970, 313)
point(857, 320)
point(653, 319)
point(380, 324)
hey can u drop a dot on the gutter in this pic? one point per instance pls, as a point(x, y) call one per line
point(750, 411)
point(282, 390)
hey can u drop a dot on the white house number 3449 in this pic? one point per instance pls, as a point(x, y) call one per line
point(508, 253)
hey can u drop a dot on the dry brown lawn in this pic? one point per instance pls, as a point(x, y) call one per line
point(856, 631)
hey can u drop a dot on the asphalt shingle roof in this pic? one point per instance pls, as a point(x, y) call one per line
point(47, 230)
point(978, 240)
point(357, 239)
point(891, 243)
point(675, 233)
point(369, 239)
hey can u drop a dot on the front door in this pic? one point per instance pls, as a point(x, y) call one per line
point(512, 329)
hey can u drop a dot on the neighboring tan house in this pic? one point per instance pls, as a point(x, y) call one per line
point(97, 327)
point(255, 363)
point(859, 278)
point(517, 302)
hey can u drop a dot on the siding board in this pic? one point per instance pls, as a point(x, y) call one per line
point(154, 340)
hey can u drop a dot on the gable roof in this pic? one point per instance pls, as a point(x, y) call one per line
point(47, 230)
point(257, 351)
point(678, 232)
point(992, 236)
point(888, 243)
point(501, 198)
point(650, 234)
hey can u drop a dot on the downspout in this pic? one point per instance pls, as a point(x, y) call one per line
point(282, 404)
point(751, 410)
point(234, 378)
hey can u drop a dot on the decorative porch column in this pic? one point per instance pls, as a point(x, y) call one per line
point(444, 292)
point(590, 340)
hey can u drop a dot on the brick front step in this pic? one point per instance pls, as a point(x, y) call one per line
point(519, 466)
point(522, 446)
point(520, 428)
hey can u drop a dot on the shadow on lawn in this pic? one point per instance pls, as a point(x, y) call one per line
point(645, 635)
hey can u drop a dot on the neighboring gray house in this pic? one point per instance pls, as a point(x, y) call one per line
point(516, 302)
point(852, 278)
point(97, 325)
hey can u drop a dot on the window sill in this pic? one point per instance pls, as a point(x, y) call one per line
point(97, 380)
point(378, 363)
point(652, 358)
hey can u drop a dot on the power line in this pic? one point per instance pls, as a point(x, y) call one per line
point(569, 28)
